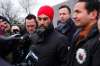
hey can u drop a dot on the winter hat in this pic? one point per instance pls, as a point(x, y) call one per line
point(4, 19)
point(47, 10)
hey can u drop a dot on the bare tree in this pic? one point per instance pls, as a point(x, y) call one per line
point(6, 9)
point(27, 4)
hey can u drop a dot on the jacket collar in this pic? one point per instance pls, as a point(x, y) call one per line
point(94, 32)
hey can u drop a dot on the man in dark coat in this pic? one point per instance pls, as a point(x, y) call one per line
point(30, 28)
point(51, 48)
point(65, 25)
point(85, 49)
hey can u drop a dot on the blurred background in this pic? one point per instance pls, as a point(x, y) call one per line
point(16, 10)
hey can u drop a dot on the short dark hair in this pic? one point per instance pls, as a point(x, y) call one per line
point(91, 5)
point(31, 16)
point(65, 6)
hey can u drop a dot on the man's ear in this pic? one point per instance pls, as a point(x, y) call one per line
point(93, 14)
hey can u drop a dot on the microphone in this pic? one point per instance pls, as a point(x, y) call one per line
point(32, 56)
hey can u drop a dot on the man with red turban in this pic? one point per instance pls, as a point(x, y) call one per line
point(51, 45)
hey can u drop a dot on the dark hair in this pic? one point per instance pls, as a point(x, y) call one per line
point(1, 17)
point(4, 19)
point(31, 16)
point(91, 5)
point(65, 6)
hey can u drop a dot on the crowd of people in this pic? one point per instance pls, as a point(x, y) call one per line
point(74, 42)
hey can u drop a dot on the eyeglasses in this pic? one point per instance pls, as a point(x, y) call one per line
point(44, 18)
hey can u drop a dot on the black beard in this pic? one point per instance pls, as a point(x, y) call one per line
point(40, 31)
point(44, 30)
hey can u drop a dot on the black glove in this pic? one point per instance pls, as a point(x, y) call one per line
point(8, 40)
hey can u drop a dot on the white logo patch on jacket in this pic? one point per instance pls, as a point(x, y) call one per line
point(81, 55)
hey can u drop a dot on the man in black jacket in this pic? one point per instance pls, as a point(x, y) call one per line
point(30, 28)
point(65, 25)
point(85, 49)
point(51, 49)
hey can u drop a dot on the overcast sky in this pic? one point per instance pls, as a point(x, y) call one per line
point(40, 3)
point(46, 2)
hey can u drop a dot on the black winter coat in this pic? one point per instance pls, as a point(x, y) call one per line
point(52, 50)
point(87, 52)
